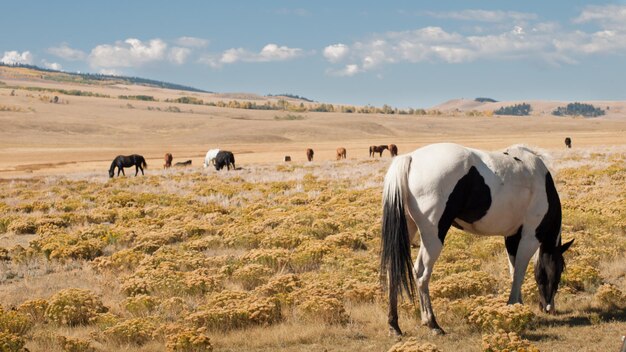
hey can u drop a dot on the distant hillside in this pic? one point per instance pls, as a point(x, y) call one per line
point(93, 78)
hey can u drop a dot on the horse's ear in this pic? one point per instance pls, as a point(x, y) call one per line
point(565, 246)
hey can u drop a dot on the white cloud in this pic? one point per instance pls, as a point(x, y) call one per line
point(129, 53)
point(549, 42)
point(15, 57)
point(606, 15)
point(178, 55)
point(346, 71)
point(336, 52)
point(270, 52)
point(192, 42)
point(52, 65)
point(65, 52)
point(484, 15)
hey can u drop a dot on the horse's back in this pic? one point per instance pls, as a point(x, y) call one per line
point(502, 185)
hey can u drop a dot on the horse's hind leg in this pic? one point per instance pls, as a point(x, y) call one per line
point(429, 252)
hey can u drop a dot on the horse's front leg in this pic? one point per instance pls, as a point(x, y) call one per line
point(527, 247)
point(429, 252)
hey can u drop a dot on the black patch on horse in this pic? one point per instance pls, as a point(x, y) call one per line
point(469, 201)
point(512, 242)
point(550, 226)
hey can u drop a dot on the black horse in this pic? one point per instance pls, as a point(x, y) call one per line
point(224, 158)
point(122, 161)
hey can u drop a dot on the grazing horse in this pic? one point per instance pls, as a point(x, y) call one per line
point(508, 193)
point(224, 158)
point(210, 157)
point(568, 142)
point(309, 154)
point(393, 149)
point(377, 149)
point(168, 161)
point(341, 153)
point(122, 161)
point(183, 163)
point(287, 158)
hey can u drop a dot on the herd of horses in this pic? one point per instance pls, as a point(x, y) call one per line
point(223, 159)
point(509, 193)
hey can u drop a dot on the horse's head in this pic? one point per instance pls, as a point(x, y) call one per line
point(111, 173)
point(548, 270)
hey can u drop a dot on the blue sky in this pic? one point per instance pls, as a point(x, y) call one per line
point(402, 53)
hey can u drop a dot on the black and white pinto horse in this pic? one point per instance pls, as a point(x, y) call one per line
point(122, 161)
point(508, 193)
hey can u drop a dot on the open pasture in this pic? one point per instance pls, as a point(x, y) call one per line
point(285, 257)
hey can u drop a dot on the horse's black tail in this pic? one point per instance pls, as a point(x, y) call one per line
point(395, 257)
point(143, 163)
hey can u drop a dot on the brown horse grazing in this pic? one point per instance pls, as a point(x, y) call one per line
point(309, 154)
point(377, 149)
point(183, 163)
point(568, 142)
point(287, 158)
point(168, 160)
point(393, 149)
point(341, 153)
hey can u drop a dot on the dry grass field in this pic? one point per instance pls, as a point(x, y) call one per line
point(275, 256)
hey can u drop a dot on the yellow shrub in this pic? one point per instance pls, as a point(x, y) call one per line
point(610, 297)
point(494, 314)
point(327, 309)
point(71, 344)
point(11, 343)
point(74, 306)
point(136, 331)
point(22, 225)
point(463, 285)
point(581, 277)
point(252, 275)
point(189, 340)
point(502, 341)
point(35, 309)
point(233, 310)
point(140, 305)
point(412, 344)
point(14, 322)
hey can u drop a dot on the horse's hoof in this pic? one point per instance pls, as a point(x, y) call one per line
point(438, 332)
point(393, 332)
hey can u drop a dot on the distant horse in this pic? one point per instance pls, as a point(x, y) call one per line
point(168, 161)
point(287, 158)
point(485, 193)
point(224, 158)
point(393, 149)
point(183, 163)
point(341, 153)
point(309, 154)
point(122, 161)
point(210, 157)
point(568, 142)
point(377, 149)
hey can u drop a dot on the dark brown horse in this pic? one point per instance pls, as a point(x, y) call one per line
point(168, 160)
point(341, 153)
point(568, 142)
point(309, 154)
point(183, 163)
point(122, 161)
point(393, 149)
point(377, 149)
